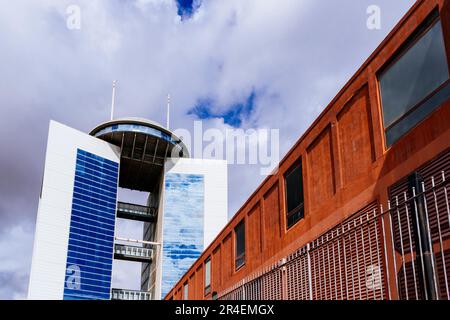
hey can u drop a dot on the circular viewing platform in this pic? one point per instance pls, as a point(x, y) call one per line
point(145, 145)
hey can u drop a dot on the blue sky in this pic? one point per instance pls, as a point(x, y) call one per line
point(186, 8)
point(233, 116)
point(232, 63)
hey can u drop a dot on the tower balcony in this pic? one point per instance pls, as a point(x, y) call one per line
point(132, 253)
point(136, 212)
point(124, 294)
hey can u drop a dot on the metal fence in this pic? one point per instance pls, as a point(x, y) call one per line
point(420, 239)
point(399, 251)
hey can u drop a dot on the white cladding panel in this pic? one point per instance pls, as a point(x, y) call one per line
point(55, 205)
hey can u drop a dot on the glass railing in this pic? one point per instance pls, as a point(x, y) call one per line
point(133, 252)
point(123, 294)
point(129, 209)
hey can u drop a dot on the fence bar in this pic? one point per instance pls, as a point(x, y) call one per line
point(393, 246)
point(385, 253)
point(351, 264)
point(329, 269)
point(430, 243)
point(402, 248)
point(309, 272)
point(413, 259)
point(369, 229)
point(340, 269)
point(378, 252)
point(419, 236)
point(364, 257)
point(334, 272)
point(440, 236)
point(357, 261)
point(324, 273)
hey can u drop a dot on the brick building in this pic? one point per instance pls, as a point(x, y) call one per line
point(359, 208)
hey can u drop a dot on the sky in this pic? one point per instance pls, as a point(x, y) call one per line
point(231, 63)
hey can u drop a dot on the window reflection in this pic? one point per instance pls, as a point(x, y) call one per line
point(416, 83)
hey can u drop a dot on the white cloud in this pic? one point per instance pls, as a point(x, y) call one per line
point(15, 261)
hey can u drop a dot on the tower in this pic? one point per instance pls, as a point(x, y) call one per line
point(76, 239)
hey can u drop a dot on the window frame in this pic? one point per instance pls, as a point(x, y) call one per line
point(207, 287)
point(416, 35)
point(300, 207)
point(243, 255)
point(186, 290)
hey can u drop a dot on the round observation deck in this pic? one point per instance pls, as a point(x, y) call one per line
point(145, 145)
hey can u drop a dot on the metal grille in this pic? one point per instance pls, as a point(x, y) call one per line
point(344, 263)
point(429, 192)
point(418, 276)
point(264, 285)
point(397, 251)
point(298, 286)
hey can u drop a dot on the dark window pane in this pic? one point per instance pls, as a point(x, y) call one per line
point(240, 244)
point(294, 195)
point(294, 188)
point(418, 72)
point(409, 121)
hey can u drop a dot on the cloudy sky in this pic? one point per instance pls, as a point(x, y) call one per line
point(232, 63)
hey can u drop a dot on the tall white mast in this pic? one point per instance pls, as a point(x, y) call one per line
point(113, 98)
point(168, 112)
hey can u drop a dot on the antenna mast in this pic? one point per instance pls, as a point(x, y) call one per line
point(113, 98)
point(168, 111)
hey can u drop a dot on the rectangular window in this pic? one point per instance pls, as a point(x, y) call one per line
point(416, 82)
point(239, 232)
point(185, 291)
point(207, 276)
point(294, 195)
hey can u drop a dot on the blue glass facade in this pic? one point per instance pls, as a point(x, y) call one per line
point(183, 226)
point(91, 237)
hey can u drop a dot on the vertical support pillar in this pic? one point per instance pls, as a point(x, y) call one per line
point(422, 236)
point(284, 291)
point(308, 248)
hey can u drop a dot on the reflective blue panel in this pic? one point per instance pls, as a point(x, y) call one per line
point(92, 216)
point(93, 209)
point(91, 237)
point(86, 182)
point(183, 225)
point(81, 248)
point(93, 222)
